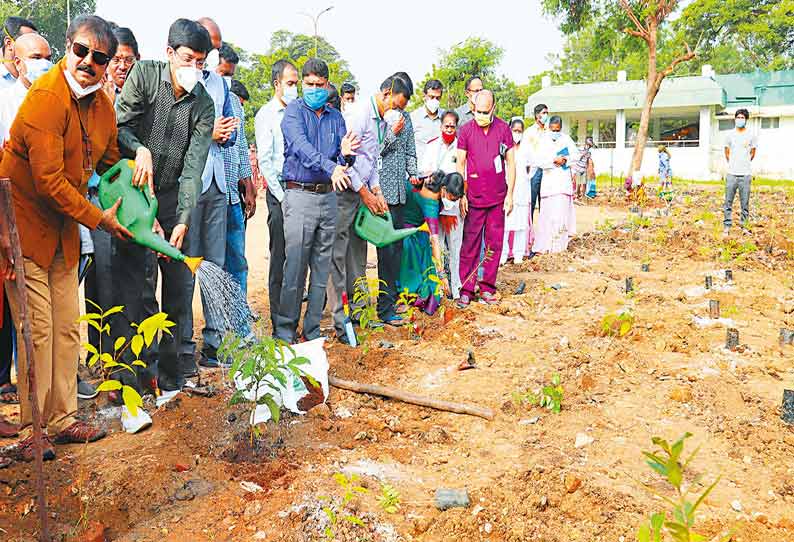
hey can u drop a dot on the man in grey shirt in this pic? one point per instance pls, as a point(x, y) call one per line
point(466, 111)
point(740, 148)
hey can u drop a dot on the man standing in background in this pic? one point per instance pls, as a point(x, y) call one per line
point(740, 149)
point(122, 62)
point(466, 111)
point(348, 95)
point(13, 27)
point(531, 139)
point(427, 119)
point(270, 150)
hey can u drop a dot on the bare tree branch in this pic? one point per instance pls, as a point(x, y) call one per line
point(634, 19)
point(636, 34)
point(689, 55)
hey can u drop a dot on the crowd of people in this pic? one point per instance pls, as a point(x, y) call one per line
point(321, 153)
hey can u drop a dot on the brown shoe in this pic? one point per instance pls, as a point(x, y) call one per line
point(8, 429)
point(25, 450)
point(79, 433)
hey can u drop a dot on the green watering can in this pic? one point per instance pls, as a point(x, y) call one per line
point(138, 211)
point(379, 230)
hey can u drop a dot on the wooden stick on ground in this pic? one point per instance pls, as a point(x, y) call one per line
point(9, 234)
point(407, 397)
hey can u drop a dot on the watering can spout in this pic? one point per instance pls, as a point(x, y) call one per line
point(193, 263)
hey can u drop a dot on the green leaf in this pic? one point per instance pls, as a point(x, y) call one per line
point(132, 399)
point(111, 311)
point(644, 533)
point(705, 494)
point(106, 358)
point(119, 343)
point(90, 348)
point(331, 514)
point(139, 363)
point(90, 317)
point(92, 361)
point(109, 385)
point(237, 398)
point(355, 521)
point(136, 345)
point(94, 325)
point(97, 307)
point(275, 411)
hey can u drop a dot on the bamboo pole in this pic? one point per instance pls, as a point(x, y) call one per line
point(407, 397)
point(9, 237)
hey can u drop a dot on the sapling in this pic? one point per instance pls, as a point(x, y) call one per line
point(617, 324)
point(365, 301)
point(389, 499)
point(551, 395)
point(261, 366)
point(677, 523)
point(350, 492)
point(407, 299)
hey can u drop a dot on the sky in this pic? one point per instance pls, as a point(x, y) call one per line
point(374, 44)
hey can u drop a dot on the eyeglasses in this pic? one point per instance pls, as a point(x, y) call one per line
point(82, 51)
point(187, 59)
point(125, 60)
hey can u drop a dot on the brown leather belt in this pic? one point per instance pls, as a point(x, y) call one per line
point(318, 188)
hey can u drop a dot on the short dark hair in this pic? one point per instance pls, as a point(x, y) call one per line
point(517, 121)
point(190, 34)
point(470, 80)
point(451, 113)
point(539, 109)
point(742, 111)
point(278, 69)
point(125, 37)
point(436, 181)
point(555, 119)
point(407, 80)
point(333, 97)
point(434, 84)
point(315, 66)
point(228, 54)
point(99, 27)
point(348, 88)
point(397, 85)
point(239, 90)
point(13, 28)
point(454, 185)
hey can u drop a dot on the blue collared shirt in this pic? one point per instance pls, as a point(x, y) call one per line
point(235, 159)
point(213, 170)
point(6, 79)
point(312, 144)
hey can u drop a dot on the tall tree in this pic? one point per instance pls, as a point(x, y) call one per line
point(49, 16)
point(641, 19)
point(254, 69)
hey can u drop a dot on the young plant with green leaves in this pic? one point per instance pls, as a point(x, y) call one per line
point(617, 324)
point(350, 493)
point(365, 301)
point(263, 367)
point(389, 499)
point(144, 334)
point(551, 395)
point(677, 523)
point(407, 299)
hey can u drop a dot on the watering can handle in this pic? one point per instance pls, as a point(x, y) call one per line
point(151, 199)
point(113, 173)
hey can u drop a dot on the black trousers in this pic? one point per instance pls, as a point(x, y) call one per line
point(6, 343)
point(275, 226)
point(389, 260)
point(134, 277)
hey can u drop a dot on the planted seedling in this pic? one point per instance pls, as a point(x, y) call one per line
point(261, 367)
point(677, 523)
point(551, 395)
point(408, 300)
point(143, 334)
point(365, 299)
point(617, 325)
point(389, 499)
point(350, 493)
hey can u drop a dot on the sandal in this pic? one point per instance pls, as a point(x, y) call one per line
point(8, 394)
point(5, 462)
point(8, 429)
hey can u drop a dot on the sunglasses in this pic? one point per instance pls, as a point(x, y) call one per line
point(100, 58)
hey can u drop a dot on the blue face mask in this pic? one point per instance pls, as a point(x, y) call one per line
point(544, 119)
point(315, 98)
point(555, 135)
point(741, 123)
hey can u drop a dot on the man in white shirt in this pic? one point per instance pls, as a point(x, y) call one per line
point(31, 60)
point(427, 119)
point(740, 149)
point(531, 142)
point(13, 28)
point(270, 150)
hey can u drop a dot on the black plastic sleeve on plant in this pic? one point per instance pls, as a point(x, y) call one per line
point(787, 409)
point(732, 338)
point(786, 336)
point(729, 275)
point(709, 282)
point(646, 267)
point(629, 285)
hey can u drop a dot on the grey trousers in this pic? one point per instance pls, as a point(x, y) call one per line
point(275, 226)
point(734, 183)
point(453, 241)
point(346, 258)
point(206, 238)
point(309, 228)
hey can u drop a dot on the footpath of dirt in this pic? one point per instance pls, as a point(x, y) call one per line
point(527, 476)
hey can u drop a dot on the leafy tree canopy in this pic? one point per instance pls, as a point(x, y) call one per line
point(49, 16)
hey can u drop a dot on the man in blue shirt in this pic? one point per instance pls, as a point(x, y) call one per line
point(13, 27)
point(317, 153)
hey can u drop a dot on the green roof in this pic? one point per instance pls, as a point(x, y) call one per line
point(611, 95)
point(759, 88)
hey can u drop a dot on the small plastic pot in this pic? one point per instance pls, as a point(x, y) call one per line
point(645, 267)
point(732, 339)
point(787, 409)
point(714, 309)
point(709, 282)
point(629, 285)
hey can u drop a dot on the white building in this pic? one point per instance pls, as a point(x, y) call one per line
point(691, 116)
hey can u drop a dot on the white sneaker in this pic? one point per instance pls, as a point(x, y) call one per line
point(518, 259)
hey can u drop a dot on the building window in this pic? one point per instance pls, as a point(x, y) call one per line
point(606, 134)
point(681, 131)
point(727, 125)
point(770, 123)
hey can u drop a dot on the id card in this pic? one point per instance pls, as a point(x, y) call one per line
point(497, 164)
point(380, 163)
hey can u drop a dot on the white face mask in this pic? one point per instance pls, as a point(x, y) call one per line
point(36, 67)
point(78, 90)
point(187, 77)
point(517, 137)
point(448, 204)
point(290, 94)
point(212, 61)
point(392, 117)
point(432, 105)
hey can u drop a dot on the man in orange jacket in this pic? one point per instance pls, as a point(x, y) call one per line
point(63, 131)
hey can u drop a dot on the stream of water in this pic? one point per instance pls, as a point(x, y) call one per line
point(225, 301)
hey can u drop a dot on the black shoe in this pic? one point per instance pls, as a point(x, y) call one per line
point(170, 383)
point(209, 360)
point(85, 390)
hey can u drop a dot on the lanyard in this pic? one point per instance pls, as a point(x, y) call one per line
point(381, 133)
point(88, 163)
